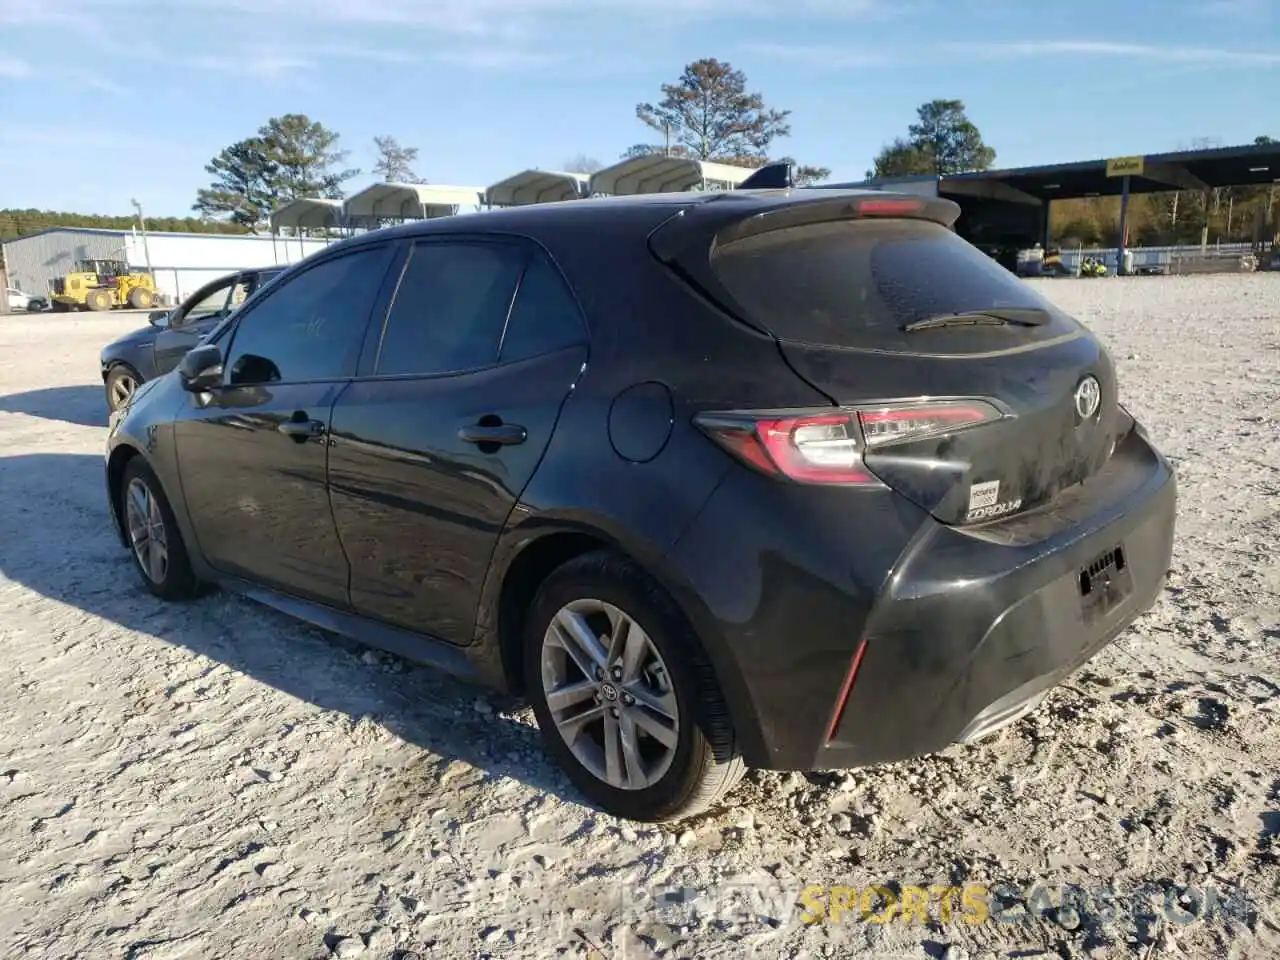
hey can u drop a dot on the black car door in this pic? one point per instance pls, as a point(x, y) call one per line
point(432, 449)
point(252, 454)
point(199, 314)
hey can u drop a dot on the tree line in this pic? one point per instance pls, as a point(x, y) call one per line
point(709, 112)
point(21, 223)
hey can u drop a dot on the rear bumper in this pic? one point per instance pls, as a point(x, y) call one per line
point(965, 631)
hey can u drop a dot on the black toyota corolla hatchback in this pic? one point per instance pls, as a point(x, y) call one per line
point(783, 479)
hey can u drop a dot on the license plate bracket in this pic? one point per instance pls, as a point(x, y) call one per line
point(1104, 583)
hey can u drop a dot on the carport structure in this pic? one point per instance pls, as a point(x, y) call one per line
point(537, 186)
point(306, 213)
point(408, 201)
point(659, 173)
point(990, 195)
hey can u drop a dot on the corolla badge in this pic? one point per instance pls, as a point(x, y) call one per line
point(1088, 397)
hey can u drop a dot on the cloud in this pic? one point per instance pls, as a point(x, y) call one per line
point(266, 66)
point(497, 59)
point(14, 69)
point(1018, 49)
point(96, 81)
point(34, 138)
point(843, 58)
point(474, 18)
point(830, 57)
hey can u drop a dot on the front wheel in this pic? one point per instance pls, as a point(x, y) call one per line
point(154, 538)
point(98, 300)
point(121, 384)
point(626, 700)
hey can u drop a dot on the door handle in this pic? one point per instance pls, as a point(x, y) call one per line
point(301, 430)
point(503, 434)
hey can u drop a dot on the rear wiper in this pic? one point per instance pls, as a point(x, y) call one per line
point(1022, 316)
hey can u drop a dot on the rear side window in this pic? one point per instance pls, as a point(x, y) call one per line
point(450, 308)
point(545, 316)
point(855, 283)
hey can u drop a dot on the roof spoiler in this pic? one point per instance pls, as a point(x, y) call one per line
point(772, 176)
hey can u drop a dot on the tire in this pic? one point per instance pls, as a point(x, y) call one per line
point(121, 383)
point(98, 300)
point(142, 500)
point(141, 298)
point(700, 765)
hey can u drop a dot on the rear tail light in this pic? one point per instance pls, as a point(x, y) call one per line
point(828, 446)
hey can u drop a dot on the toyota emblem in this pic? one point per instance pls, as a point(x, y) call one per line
point(1088, 397)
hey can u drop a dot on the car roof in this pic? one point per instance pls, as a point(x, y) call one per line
point(642, 210)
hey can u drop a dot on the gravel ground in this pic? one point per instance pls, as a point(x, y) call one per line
point(215, 780)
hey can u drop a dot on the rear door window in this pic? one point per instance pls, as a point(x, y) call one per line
point(856, 283)
point(450, 308)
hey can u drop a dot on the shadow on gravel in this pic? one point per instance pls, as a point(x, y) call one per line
point(83, 405)
point(60, 543)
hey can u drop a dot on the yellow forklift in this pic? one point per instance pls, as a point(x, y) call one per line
point(103, 285)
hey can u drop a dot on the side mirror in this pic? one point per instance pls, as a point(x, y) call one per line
point(201, 368)
point(158, 318)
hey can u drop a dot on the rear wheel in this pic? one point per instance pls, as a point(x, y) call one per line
point(141, 298)
point(154, 538)
point(121, 384)
point(625, 699)
point(98, 300)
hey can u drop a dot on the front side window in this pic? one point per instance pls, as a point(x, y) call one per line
point(310, 327)
point(450, 308)
point(210, 304)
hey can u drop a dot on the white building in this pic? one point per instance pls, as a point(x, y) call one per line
point(180, 262)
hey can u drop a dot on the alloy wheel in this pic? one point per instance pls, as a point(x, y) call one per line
point(610, 694)
point(122, 388)
point(147, 533)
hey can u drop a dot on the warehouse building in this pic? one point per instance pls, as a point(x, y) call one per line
point(180, 262)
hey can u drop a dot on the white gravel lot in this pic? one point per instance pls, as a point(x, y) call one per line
point(215, 780)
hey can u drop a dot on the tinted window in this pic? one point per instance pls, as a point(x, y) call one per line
point(544, 317)
point(310, 327)
point(208, 304)
point(855, 283)
point(450, 308)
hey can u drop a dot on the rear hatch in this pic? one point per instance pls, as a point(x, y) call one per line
point(977, 398)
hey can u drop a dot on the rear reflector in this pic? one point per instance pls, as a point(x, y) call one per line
point(843, 700)
point(828, 446)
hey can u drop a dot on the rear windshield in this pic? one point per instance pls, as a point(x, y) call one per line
point(855, 283)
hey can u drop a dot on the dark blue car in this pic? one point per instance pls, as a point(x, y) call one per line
point(155, 350)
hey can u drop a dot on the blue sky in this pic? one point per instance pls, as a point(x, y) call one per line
point(104, 100)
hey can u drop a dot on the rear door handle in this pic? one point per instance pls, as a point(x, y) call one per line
point(502, 433)
point(301, 430)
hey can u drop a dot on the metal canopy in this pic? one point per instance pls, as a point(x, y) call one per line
point(537, 186)
point(410, 201)
point(658, 173)
point(1186, 170)
point(307, 213)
